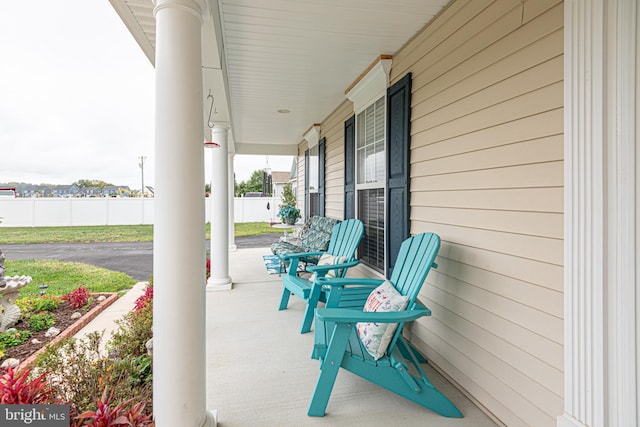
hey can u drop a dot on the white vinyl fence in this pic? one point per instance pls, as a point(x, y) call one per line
point(52, 212)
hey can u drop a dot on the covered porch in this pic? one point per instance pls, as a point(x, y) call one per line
point(259, 370)
point(517, 144)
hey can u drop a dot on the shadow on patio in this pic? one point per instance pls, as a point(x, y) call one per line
point(259, 370)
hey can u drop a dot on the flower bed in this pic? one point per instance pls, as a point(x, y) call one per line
point(62, 318)
point(114, 390)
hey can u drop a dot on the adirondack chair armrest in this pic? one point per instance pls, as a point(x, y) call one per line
point(331, 281)
point(345, 315)
point(299, 255)
point(329, 267)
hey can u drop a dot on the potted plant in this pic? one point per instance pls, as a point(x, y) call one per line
point(288, 210)
point(289, 214)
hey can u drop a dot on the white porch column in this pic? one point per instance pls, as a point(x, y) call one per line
point(232, 235)
point(602, 173)
point(179, 227)
point(219, 253)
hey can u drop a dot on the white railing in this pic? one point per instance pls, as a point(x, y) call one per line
point(52, 212)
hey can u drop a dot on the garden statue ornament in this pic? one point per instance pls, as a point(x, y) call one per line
point(9, 288)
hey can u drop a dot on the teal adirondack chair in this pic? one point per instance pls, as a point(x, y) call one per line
point(337, 343)
point(345, 239)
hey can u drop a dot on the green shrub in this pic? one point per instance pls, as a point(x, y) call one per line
point(46, 303)
point(13, 338)
point(25, 304)
point(83, 374)
point(130, 339)
point(41, 321)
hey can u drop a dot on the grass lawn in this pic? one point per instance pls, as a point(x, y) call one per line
point(108, 233)
point(63, 277)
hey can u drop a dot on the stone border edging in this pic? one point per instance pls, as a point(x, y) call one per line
point(74, 328)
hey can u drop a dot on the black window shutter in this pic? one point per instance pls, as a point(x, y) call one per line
point(306, 184)
point(321, 160)
point(398, 135)
point(349, 168)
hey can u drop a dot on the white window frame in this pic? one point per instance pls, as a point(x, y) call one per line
point(363, 93)
point(376, 184)
point(372, 184)
point(314, 168)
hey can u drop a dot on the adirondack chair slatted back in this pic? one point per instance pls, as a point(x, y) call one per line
point(416, 257)
point(345, 238)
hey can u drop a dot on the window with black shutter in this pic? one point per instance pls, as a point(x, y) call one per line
point(377, 174)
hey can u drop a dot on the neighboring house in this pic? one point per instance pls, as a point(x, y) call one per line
point(507, 127)
point(89, 192)
point(60, 190)
point(278, 180)
point(109, 191)
point(29, 190)
point(115, 190)
point(74, 190)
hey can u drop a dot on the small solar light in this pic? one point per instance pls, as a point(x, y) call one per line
point(43, 289)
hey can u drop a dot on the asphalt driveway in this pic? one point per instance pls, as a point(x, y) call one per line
point(134, 258)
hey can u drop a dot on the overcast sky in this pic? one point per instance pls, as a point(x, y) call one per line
point(77, 98)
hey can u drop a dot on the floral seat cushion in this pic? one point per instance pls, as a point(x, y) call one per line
point(315, 239)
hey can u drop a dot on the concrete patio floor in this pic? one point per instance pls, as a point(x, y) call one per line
point(259, 372)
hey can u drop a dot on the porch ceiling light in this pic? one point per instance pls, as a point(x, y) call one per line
point(283, 111)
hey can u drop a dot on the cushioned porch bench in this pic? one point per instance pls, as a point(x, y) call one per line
point(314, 237)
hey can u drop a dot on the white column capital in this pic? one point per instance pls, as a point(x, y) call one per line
point(195, 7)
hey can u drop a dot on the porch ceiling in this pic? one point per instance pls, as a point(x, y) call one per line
point(263, 56)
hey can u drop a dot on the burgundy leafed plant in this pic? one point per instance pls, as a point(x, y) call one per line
point(16, 388)
point(77, 298)
point(106, 415)
point(144, 299)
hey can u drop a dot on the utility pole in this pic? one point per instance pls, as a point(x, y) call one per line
point(141, 164)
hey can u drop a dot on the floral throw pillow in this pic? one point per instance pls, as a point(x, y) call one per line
point(376, 336)
point(327, 259)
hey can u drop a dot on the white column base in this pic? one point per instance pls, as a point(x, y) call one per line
point(219, 284)
point(211, 419)
point(566, 420)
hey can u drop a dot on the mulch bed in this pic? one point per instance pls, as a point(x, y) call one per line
point(63, 321)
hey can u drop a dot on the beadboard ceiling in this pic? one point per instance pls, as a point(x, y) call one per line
point(262, 56)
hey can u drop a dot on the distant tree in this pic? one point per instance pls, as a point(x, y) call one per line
point(288, 198)
point(253, 184)
point(91, 183)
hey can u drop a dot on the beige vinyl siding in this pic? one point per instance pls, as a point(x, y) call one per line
point(487, 176)
point(302, 147)
point(332, 128)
